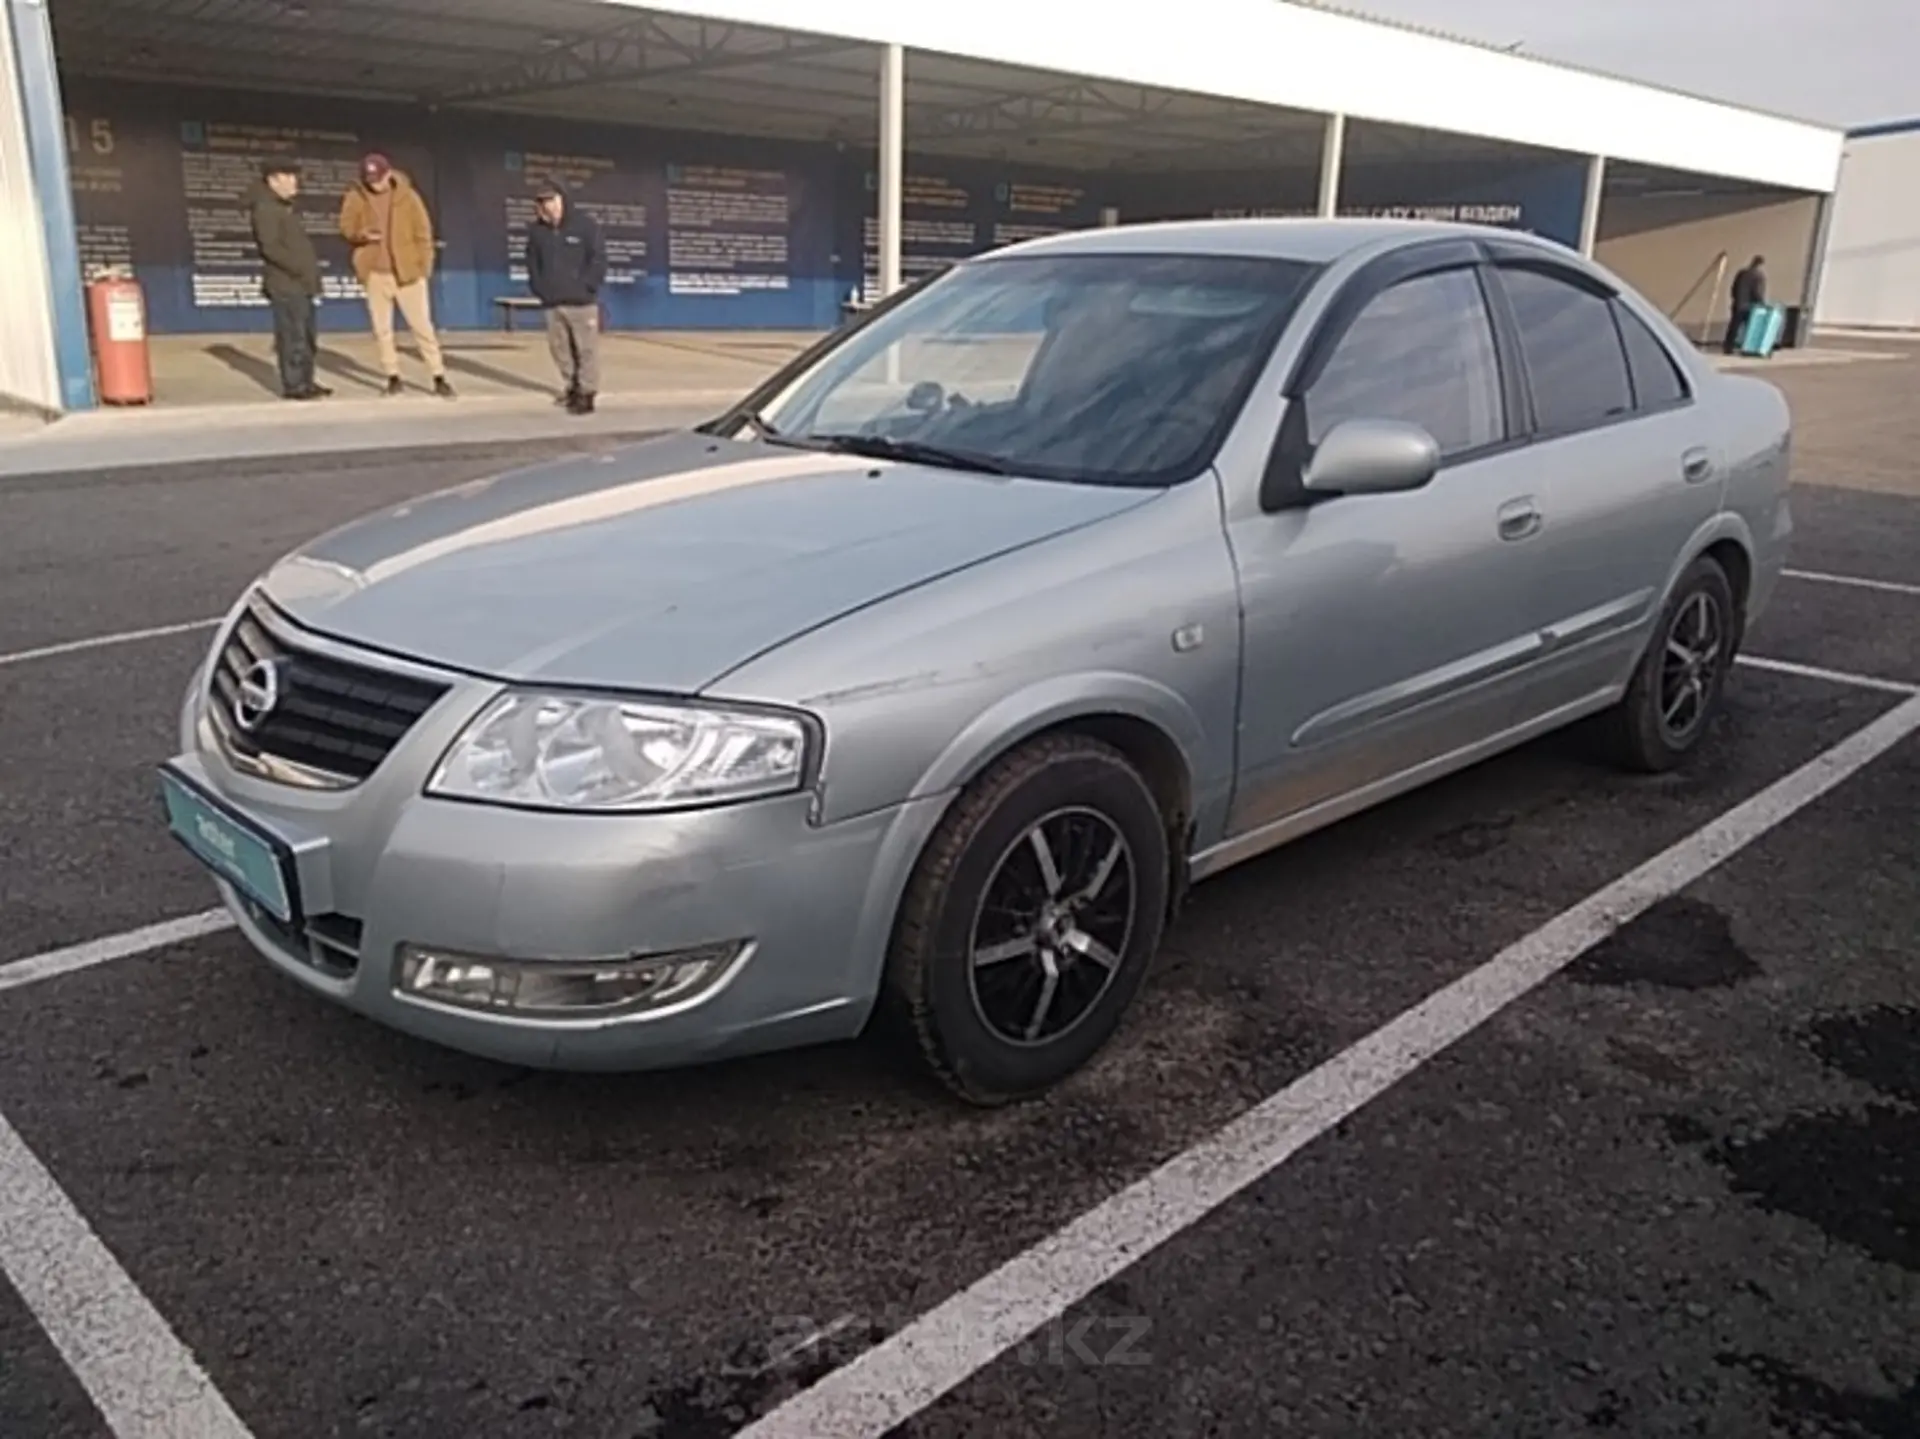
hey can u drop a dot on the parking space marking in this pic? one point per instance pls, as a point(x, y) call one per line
point(139, 1375)
point(124, 637)
point(1838, 677)
point(114, 946)
point(912, 1369)
point(1891, 587)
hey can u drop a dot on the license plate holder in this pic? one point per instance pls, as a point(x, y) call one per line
point(255, 862)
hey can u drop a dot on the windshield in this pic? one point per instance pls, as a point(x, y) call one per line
point(1107, 369)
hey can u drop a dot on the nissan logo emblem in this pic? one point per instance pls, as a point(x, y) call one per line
point(259, 693)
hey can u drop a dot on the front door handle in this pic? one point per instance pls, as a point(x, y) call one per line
point(1696, 465)
point(1518, 519)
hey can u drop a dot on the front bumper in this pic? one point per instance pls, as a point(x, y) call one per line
point(382, 865)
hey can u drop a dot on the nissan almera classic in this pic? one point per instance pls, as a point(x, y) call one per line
point(924, 682)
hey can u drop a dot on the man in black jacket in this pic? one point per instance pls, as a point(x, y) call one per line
point(566, 266)
point(1749, 292)
point(290, 277)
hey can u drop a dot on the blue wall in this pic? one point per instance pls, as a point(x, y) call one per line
point(704, 232)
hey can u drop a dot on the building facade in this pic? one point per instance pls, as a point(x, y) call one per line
point(751, 174)
point(1871, 277)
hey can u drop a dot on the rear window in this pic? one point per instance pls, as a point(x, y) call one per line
point(1574, 355)
point(1657, 381)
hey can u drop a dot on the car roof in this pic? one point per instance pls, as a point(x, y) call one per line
point(1317, 241)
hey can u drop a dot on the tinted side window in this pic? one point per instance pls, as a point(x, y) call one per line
point(1421, 351)
point(1573, 351)
point(1656, 379)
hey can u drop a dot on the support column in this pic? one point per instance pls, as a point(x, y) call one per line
point(45, 126)
point(1816, 268)
point(893, 103)
point(1590, 210)
point(1333, 158)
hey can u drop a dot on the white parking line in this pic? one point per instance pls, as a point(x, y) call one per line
point(1891, 587)
point(125, 637)
point(114, 946)
point(910, 1371)
point(139, 1375)
point(1837, 677)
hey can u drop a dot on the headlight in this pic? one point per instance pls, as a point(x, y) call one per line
point(566, 752)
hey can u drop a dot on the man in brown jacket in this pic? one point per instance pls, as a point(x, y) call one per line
point(386, 222)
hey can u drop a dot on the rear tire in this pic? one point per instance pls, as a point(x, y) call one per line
point(1677, 688)
point(1030, 921)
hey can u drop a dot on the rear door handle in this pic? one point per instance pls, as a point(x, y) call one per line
point(1696, 465)
point(1518, 519)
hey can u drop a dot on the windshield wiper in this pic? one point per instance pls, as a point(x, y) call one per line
point(914, 452)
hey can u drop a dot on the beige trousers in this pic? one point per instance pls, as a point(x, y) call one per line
point(383, 293)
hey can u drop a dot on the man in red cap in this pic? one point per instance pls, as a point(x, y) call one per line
point(386, 222)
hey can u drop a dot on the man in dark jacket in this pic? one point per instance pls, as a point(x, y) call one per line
point(1749, 292)
point(566, 266)
point(290, 277)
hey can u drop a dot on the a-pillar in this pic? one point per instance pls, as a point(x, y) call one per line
point(1590, 206)
point(893, 104)
point(1333, 156)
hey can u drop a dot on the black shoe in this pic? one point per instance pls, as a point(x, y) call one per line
point(394, 386)
point(442, 388)
point(309, 392)
point(582, 404)
point(567, 399)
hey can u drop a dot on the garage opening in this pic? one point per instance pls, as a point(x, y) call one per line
point(1680, 238)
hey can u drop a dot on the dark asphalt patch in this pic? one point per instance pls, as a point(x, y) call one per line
point(1880, 1047)
point(1810, 1408)
point(1679, 943)
point(39, 1397)
point(1854, 1175)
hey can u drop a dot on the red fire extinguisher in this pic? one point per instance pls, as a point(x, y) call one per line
point(117, 308)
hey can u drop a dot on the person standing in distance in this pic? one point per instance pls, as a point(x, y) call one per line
point(386, 222)
point(290, 277)
point(1749, 293)
point(566, 266)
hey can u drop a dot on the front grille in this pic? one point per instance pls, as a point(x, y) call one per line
point(330, 718)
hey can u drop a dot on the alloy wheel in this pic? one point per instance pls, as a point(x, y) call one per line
point(1690, 668)
point(1052, 926)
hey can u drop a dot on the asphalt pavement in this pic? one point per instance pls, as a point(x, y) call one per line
point(1671, 1191)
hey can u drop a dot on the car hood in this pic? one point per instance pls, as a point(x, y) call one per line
point(662, 566)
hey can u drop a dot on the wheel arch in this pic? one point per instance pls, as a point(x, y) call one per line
point(1151, 725)
point(1727, 541)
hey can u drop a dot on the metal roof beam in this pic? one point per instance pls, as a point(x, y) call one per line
point(636, 51)
point(1079, 104)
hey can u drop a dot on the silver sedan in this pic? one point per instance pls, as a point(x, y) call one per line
point(921, 685)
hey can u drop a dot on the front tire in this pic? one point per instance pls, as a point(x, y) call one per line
point(1677, 688)
point(1030, 921)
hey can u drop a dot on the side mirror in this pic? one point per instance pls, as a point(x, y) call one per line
point(1372, 457)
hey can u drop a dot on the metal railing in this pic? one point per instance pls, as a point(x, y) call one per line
point(1715, 275)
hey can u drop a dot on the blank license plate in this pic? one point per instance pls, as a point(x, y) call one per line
point(247, 859)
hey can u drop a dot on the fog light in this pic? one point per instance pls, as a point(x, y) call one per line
point(558, 988)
